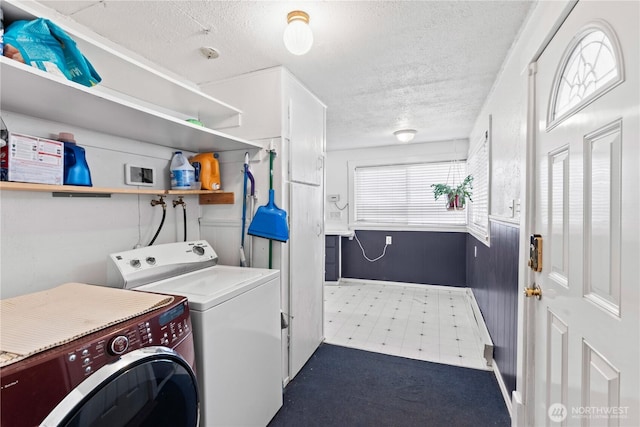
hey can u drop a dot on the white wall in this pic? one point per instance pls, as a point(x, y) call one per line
point(337, 172)
point(47, 241)
point(507, 105)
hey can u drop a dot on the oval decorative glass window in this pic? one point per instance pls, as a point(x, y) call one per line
point(590, 68)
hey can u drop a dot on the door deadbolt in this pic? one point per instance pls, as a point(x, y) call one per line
point(533, 291)
point(535, 252)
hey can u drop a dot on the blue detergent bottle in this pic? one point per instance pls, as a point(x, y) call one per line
point(76, 169)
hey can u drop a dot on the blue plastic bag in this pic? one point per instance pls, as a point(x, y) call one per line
point(44, 45)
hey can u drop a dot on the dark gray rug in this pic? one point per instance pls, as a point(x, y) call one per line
point(342, 386)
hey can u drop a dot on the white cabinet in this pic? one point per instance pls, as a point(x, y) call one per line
point(276, 106)
point(307, 124)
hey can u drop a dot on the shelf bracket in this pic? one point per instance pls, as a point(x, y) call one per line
point(74, 194)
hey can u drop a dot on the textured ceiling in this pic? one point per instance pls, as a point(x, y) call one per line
point(378, 65)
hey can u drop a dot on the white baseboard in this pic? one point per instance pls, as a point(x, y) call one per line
point(285, 382)
point(517, 415)
point(503, 389)
point(416, 285)
point(488, 349)
point(485, 337)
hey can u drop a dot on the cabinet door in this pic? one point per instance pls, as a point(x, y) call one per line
point(306, 274)
point(307, 128)
point(331, 258)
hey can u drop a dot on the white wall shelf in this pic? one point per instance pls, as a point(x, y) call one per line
point(133, 101)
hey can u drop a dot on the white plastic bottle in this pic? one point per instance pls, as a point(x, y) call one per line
point(182, 173)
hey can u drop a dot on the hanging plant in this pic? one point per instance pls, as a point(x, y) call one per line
point(456, 195)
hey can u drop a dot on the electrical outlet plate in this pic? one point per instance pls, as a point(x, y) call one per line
point(388, 241)
point(333, 197)
point(139, 175)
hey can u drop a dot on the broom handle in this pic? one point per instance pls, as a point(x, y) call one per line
point(272, 154)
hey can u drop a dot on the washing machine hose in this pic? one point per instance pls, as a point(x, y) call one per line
point(164, 214)
point(180, 201)
point(184, 216)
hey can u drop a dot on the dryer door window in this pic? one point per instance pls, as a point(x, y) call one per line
point(157, 389)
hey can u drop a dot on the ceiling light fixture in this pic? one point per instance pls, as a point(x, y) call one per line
point(405, 135)
point(298, 37)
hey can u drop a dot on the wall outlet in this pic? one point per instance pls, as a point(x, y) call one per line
point(388, 241)
point(335, 215)
point(333, 197)
point(475, 252)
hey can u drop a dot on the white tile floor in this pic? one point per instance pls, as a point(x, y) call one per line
point(421, 322)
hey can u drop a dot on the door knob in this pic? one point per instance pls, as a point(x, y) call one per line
point(533, 291)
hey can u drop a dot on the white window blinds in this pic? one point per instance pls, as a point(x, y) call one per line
point(478, 165)
point(402, 194)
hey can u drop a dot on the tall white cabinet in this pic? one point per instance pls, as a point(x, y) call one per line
point(278, 109)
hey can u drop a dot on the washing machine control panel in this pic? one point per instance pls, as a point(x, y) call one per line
point(130, 269)
point(167, 327)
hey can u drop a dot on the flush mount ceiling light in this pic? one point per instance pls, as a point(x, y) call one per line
point(298, 37)
point(405, 135)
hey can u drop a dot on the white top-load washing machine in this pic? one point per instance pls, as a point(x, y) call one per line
point(235, 313)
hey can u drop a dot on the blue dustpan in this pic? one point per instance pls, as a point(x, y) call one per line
point(270, 222)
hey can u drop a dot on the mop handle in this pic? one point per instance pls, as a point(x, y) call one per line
point(244, 196)
point(272, 155)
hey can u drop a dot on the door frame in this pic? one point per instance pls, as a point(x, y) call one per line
point(523, 408)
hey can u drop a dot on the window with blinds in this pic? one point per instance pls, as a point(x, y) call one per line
point(402, 194)
point(478, 165)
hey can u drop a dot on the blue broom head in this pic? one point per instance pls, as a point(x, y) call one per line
point(270, 222)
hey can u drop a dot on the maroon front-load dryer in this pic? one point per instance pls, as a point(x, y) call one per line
point(139, 372)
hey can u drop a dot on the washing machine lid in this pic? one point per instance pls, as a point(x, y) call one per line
point(211, 286)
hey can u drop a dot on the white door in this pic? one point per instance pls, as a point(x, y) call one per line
point(587, 323)
point(306, 254)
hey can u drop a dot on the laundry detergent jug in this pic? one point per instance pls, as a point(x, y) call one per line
point(76, 169)
point(209, 170)
point(183, 175)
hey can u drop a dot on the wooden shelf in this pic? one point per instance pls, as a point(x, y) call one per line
point(213, 196)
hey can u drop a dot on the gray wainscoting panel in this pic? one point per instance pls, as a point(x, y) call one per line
point(425, 257)
point(492, 273)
